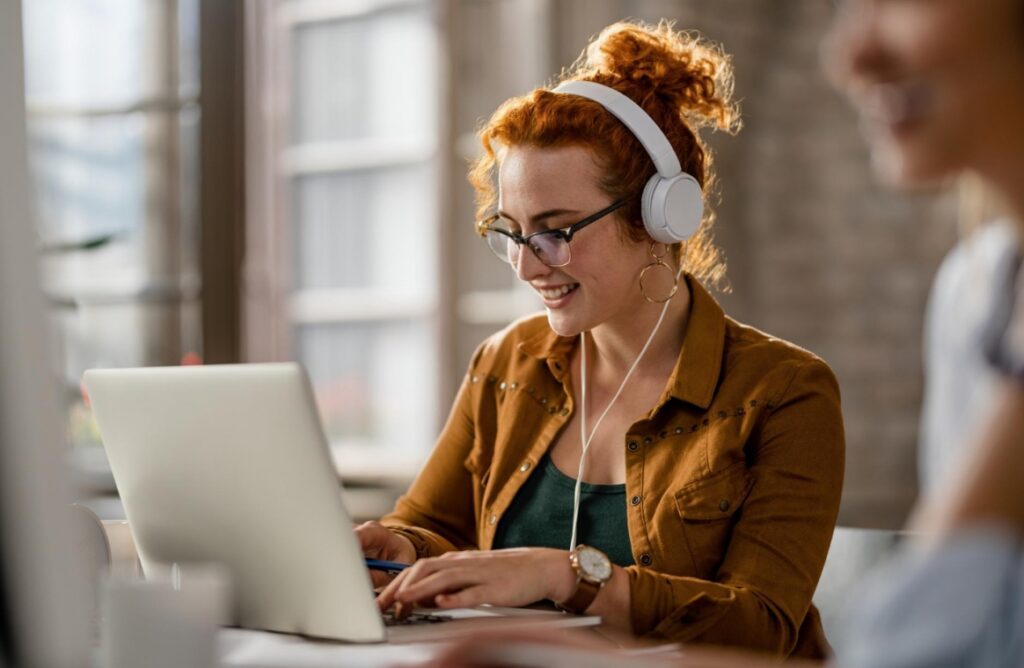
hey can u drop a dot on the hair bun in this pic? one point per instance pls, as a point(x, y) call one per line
point(680, 68)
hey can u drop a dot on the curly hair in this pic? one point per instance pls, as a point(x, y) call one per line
point(682, 81)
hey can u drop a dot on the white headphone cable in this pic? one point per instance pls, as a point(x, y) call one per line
point(584, 439)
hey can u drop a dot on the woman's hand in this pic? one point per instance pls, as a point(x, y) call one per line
point(380, 543)
point(513, 577)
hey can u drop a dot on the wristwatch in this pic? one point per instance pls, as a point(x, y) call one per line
point(593, 569)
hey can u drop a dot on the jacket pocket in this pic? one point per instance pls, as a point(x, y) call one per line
point(708, 509)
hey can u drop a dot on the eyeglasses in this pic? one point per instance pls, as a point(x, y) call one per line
point(550, 246)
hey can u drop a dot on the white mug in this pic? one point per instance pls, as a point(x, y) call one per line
point(169, 619)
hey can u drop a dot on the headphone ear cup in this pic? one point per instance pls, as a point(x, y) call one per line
point(672, 208)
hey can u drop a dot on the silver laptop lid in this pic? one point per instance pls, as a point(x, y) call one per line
point(230, 464)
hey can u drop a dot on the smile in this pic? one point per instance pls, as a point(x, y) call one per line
point(556, 293)
point(896, 104)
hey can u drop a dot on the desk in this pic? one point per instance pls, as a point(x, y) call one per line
point(242, 648)
point(247, 648)
point(593, 647)
point(258, 649)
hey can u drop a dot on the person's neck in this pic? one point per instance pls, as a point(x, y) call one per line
point(614, 345)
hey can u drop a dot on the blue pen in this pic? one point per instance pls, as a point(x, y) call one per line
point(389, 567)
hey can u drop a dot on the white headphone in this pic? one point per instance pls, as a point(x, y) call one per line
point(672, 205)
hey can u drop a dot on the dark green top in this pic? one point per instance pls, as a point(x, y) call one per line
point(541, 515)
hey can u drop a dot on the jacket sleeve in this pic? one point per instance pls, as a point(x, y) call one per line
point(437, 513)
point(763, 589)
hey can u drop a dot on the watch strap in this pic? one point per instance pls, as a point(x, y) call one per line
point(581, 599)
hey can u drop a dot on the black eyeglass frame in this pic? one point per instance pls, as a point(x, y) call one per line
point(564, 233)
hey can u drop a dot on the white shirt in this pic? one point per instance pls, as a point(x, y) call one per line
point(959, 381)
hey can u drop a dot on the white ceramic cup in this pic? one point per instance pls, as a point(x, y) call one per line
point(169, 619)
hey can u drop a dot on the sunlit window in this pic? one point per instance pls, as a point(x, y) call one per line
point(112, 102)
point(357, 161)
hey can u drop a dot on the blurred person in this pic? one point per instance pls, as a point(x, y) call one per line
point(961, 382)
point(938, 85)
point(633, 452)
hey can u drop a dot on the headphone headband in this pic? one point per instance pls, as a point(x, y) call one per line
point(633, 117)
point(672, 203)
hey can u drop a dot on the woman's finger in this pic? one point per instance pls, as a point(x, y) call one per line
point(442, 581)
point(370, 539)
point(386, 598)
point(468, 597)
point(419, 570)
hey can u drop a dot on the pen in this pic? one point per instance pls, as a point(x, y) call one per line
point(389, 567)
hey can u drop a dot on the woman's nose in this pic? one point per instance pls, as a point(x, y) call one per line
point(528, 266)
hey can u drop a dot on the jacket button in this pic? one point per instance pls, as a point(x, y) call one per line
point(723, 505)
point(679, 430)
point(647, 441)
point(493, 520)
point(635, 500)
point(525, 467)
point(633, 446)
point(645, 559)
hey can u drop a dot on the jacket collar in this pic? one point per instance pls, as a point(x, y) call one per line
point(698, 367)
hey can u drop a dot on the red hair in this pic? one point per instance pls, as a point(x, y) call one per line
point(680, 80)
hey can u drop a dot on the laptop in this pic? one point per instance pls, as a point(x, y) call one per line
point(230, 464)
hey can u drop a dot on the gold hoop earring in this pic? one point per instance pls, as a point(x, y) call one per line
point(659, 261)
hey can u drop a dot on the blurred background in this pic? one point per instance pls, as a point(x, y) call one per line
point(233, 180)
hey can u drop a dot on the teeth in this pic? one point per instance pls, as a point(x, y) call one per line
point(895, 103)
point(555, 293)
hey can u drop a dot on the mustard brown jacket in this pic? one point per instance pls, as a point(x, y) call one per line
point(733, 479)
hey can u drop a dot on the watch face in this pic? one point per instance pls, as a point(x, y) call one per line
point(594, 564)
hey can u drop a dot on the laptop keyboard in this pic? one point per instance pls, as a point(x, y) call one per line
point(415, 619)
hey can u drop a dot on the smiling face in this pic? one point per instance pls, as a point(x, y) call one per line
point(549, 188)
point(938, 83)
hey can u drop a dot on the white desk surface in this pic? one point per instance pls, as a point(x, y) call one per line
point(242, 648)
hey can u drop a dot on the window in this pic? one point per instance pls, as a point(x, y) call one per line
point(346, 233)
point(113, 115)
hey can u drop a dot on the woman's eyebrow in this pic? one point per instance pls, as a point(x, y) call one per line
point(542, 216)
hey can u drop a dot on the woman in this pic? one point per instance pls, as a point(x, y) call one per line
point(705, 458)
point(939, 88)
